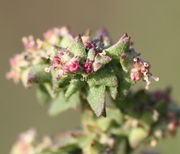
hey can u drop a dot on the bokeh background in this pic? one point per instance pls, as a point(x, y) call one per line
point(154, 25)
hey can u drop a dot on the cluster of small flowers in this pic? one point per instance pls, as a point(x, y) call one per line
point(59, 57)
point(28, 143)
point(40, 51)
point(65, 62)
point(36, 52)
point(141, 70)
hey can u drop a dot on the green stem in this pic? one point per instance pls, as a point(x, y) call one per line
point(127, 149)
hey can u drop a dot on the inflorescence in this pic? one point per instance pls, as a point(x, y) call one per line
point(69, 70)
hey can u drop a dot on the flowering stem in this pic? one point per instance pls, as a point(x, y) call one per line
point(93, 72)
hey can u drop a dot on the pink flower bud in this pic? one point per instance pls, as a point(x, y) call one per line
point(74, 66)
point(88, 67)
point(56, 62)
point(135, 76)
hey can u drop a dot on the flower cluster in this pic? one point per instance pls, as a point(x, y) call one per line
point(70, 69)
point(81, 54)
point(28, 143)
point(141, 70)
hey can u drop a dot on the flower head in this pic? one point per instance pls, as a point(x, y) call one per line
point(141, 70)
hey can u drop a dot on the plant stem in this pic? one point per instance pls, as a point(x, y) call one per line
point(127, 148)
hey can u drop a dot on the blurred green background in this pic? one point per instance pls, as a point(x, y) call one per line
point(154, 25)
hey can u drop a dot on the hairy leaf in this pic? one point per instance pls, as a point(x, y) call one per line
point(74, 85)
point(103, 77)
point(136, 136)
point(121, 46)
point(37, 74)
point(113, 91)
point(66, 41)
point(42, 94)
point(77, 47)
point(96, 99)
point(60, 104)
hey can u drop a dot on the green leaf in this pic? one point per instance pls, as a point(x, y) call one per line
point(104, 123)
point(136, 136)
point(77, 47)
point(120, 47)
point(113, 91)
point(96, 99)
point(66, 41)
point(37, 74)
point(126, 59)
point(57, 81)
point(42, 94)
point(75, 84)
point(115, 114)
point(125, 85)
point(103, 77)
point(60, 104)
